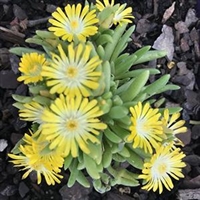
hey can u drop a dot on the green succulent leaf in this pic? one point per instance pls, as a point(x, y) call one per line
point(42, 100)
point(107, 155)
point(122, 43)
point(16, 150)
point(112, 136)
point(22, 50)
point(150, 55)
point(83, 180)
point(125, 152)
point(109, 48)
point(136, 72)
point(157, 85)
point(123, 177)
point(22, 99)
point(95, 152)
point(91, 166)
point(67, 162)
point(45, 34)
point(135, 87)
point(104, 39)
point(117, 112)
point(124, 66)
point(73, 173)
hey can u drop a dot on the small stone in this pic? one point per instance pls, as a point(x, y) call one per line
point(19, 124)
point(76, 192)
point(9, 190)
point(193, 160)
point(185, 137)
point(195, 132)
point(15, 137)
point(144, 26)
point(181, 27)
point(194, 35)
point(11, 169)
point(114, 195)
point(185, 77)
point(182, 68)
point(3, 145)
point(184, 45)
point(50, 8)
point(4, 58)
point(23, 189)
point(165, 41)
point(14, 61)
point(8, 80)
point(190, 17)
point(19, 12)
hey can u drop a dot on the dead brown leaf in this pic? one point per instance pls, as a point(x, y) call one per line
point(168, 12)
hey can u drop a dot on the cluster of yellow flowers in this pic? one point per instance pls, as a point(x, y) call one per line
point(89, 110)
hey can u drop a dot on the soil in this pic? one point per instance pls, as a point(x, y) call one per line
point(20, 18)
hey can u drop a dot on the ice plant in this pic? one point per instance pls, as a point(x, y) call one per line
point(106, 3)
point(74, 23)
point(89, 110)
point(75, 73)
point(172, 124)
point(146, 128)
point(34, 158)
point(123, 15)
point(171, 127)
point(32, 112)
point(163, 165)
point(31, 66)
point(70, 122)
point(119, 13)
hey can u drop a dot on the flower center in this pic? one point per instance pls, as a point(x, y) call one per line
point(74, 24)
point(34, 68)
point(162, 168)
point(71, 72)
point(142, 127)
point(72, 125)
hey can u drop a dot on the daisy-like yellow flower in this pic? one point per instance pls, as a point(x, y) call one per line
point(101, 6)
point(123, 15)
point(146, 128)
point(31, 66)
point(70, 122)
point(172, 123)
point(163, 165)
point(171, 127)
point(75, 22)
point(32, 112)
point(75, 73)
point(35, 156)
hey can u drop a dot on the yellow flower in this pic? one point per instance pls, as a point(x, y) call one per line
point(70, 122)
point(163, 165)
point(123, 15)
point(74, 22)
point(172, 123)
point(100, 6)
point(171, 127)
point(75, 73)
point(32, 112)
point(146, 128)
point(35, 156)
point(31, 66)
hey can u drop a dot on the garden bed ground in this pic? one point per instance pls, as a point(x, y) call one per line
point(180, 27)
